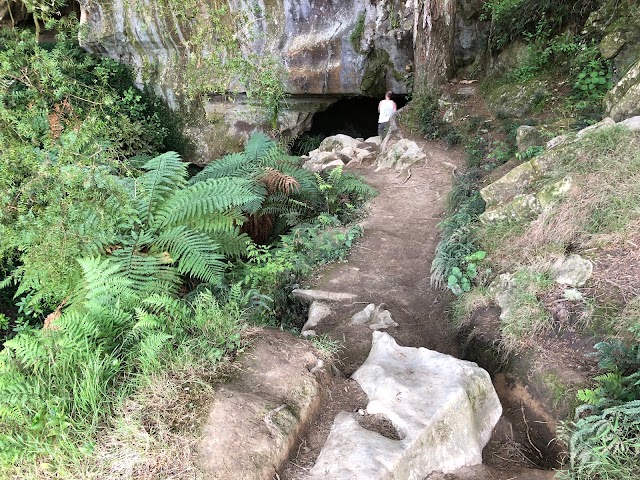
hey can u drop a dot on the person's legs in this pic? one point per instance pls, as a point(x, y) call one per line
point(382, 128)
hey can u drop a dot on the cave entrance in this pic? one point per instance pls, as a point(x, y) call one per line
point(353, 116)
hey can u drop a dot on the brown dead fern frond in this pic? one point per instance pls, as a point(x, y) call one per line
point(277, 181)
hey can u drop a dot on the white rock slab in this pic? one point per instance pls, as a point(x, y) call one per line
point(443, 408)
point(632, 123)
point(311, 295)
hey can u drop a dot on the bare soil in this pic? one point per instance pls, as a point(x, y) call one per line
point(391, 265)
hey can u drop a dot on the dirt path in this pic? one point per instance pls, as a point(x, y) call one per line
point(391, 265)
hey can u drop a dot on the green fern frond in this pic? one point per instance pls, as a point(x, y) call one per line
point(203, 198)
point(195, 253)
point(232, 165)
point(232, 244)
point(259, 146)
point(218, 222)
point(165, 174)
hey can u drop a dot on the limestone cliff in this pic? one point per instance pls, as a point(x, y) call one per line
point(325, 49)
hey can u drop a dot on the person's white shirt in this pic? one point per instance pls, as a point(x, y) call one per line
point(386, 108)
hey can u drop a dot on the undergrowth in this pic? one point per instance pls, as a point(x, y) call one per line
point(131, 282)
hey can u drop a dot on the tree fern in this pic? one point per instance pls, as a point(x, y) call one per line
point(164, 174)
point(202, 198)
point(194, 252)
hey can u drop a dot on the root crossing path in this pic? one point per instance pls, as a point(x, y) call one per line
point(391, 265)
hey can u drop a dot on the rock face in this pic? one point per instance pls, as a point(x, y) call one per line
point(442, 408)
point(256, 420)
point(618, 22)
point(321, 50)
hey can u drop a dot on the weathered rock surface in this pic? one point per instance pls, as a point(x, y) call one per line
point(339, 150)
point(573, 270)
point(528, 136)
point(400, 155)
point(257, 419)
point(320, 295)
point(378, 317)
point(618, 23)
point(517, 99)
point(443, 409)
point(318, 311)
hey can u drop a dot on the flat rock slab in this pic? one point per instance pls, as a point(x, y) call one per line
point(443, 409)
point(257, 419)
point(321, 295)
point(482, 472)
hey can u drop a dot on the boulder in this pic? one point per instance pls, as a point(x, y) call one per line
point(336, 143)
point(256, 419)
point(528, 136)
point(530, 205)
point(517, 99)
point(376, 141)
point(606, 122)
point(400, 155)
point(623, 100)
point(573, 271)
point(442, 408)
point(318, 311)
point(632, 123)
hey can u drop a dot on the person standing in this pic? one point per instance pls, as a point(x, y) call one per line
point(386, 108)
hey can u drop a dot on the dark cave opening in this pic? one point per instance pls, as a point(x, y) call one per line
point(353, 116)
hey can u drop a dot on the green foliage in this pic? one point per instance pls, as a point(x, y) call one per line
point(57, 384)
point(529, 153)
point(460, 280)
point(464, 205)
point(343, 191)
point(305, 143)
point(356, 34)
point(511, 19)
point(275, 271)
point(424, 117)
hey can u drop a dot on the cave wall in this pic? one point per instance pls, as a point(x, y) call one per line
point(312, 40)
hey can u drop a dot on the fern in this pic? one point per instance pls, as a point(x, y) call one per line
point(202, 198)
point(194, 253)
point(164, 174)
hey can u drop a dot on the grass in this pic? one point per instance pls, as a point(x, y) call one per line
point(603, 206)
point(524, 317)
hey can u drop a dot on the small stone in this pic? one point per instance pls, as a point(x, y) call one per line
point(573, 295)
point(317, 312)
point(308, 334)
point(573, 270)
point(363, 316)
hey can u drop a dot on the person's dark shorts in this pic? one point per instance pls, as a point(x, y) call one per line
point(382, 128)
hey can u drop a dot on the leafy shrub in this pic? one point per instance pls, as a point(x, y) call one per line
point(356, 34)
point(343, 192)
point(464, 205)
point(423, 117)
point(604, 439)
point(57, 384)
point(512, 19)
point(460, 280)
